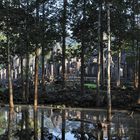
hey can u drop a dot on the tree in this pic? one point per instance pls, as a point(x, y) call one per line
point(119, 29)
point(77, 7)
point(83, 47)
point(43, 47)
point(64, 38)
point(108, 64)
point(99, 55)
point(36, 57)
point(27, 54)
point(139, 79)
point(84, 30)
point(101, 43)
point(11, 103)
point(133, 33)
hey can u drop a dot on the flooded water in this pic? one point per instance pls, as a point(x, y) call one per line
point(24, 123)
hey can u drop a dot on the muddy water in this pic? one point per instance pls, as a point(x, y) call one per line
point(24, 123)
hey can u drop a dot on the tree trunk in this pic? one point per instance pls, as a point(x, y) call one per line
point(136, 65)
point(99, 56)
point(36, 78)
point(10, 86)
point(43, 39)
point(27, 56)
point(139, 79)
point(126, 72)
point(101, 46)
point(82, 69)
point(133, 43)
point(83, 49)
point(27, 78)
point(64, 39)
point(108, 65)
point(36, 60)
point(52, 71)
point(118, 68)
point(22, 79)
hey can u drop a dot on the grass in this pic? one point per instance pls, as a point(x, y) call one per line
point(90, 86)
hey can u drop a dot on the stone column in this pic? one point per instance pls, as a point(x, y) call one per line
point(52, 71)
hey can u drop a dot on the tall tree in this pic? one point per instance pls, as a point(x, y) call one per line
point(118, 31)
point(50, 31)
point(100, 34)
point(134, 43)
point(27, 53)
point(83, 47)
point(43, 48)
point(36, 56)
point(22, 78)
point(99, 55)
point(139, 79)
point(84, 30)
point(137, 7)
point(64, 39)
point(10, 87)
point(138, 47)
point(108, 64)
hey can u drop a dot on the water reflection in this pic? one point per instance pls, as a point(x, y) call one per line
point(25, 123)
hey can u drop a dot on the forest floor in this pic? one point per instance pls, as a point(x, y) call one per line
point(124, 98)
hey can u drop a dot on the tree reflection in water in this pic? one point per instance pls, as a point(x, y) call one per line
point(26, 129)
point(63, 124)
point(109, 131)
point(25, 123)
point(35, 124)
point(42, 125)
point(10, 125)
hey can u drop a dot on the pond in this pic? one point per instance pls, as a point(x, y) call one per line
point(46, 123)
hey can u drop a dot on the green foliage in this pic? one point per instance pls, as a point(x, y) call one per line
point(73, 51)
point(90, 86)
point(18, 21)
